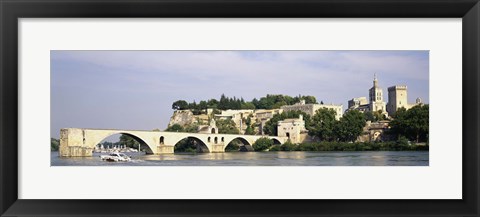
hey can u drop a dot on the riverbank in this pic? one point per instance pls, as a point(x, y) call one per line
point(344, 146)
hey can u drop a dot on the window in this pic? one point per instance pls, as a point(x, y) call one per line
point(161, 140)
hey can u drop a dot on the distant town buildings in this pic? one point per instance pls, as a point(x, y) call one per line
point(239, 117)
point(397, 98)
point(360, 104)
point(310, 109)
point(293, 128)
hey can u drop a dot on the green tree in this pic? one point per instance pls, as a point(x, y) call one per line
point(203, 106)
point(412, 123)
point(256, 103)
point(233, 146)
point(288, 146)
point(192, 128)
point(375, 116)
point(262, 144)
point(323, 124)
point(266, 102)
point(277, 105)
point(186, 145)
point(227, 127)
point(212, 103)
point(249, 130)
point(248, 105)
point(350, 126)
point(223, 103)
point(309, 99)
point(129, 141)
point(54, 144)
point(180, 105)
point(399, 123)
point(418, 123)
point(175, 128)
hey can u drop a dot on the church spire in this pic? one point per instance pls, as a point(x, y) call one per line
point(375, 81)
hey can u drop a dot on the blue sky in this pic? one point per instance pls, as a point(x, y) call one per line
point(135, 89)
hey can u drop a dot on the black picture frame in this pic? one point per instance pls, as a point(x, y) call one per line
point(12, 10)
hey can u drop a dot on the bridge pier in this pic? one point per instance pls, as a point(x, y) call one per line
point(72, 144)
point(218, 148)
point(165, 149)
point(75, 151)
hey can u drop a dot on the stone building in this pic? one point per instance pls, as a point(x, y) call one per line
point(293, 128)
point(397, 98)
point(211, 128)
point(375, 100)
point(360, 104)
point(374, 132)
point(261, 116)
point(258, 118)
point(310, 109)
point(237, 116)
point(376, 97)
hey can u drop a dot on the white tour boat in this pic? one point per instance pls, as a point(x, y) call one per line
point(115, 157)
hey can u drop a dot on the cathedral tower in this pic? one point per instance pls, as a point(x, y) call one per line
point(376, 97)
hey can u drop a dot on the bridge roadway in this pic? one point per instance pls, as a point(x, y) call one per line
point(77, 142)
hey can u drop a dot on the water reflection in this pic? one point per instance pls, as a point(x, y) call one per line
point(292, 155)
point(385, 158)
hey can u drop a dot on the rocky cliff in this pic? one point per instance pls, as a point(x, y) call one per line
point(182, 117)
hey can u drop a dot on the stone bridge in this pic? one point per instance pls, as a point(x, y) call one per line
point(76, 142)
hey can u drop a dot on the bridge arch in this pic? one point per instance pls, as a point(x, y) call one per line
point(143, 144)
point(276, 141)
point(245, 144)
point(189, 142)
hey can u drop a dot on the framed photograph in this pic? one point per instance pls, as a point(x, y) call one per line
point(180, 108)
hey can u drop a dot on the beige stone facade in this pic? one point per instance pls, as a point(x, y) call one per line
point(293, 128)
point(310, 109)
point(397, 98)
point(374, 132)
point(360, 104)
point(211, 128)
point(237, 116)
point(376, 97)
point(357, 102)
point(261, 116)
point(258, 117)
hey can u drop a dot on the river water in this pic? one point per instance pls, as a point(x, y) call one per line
point(345, 158)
